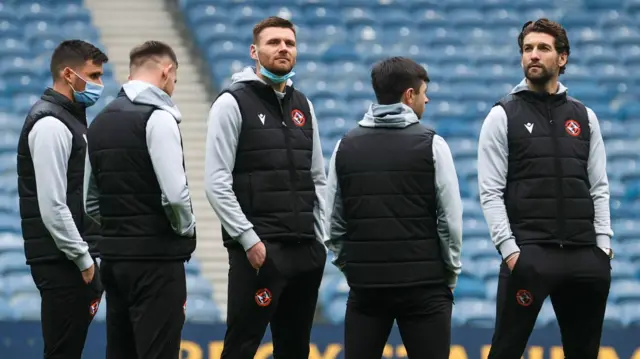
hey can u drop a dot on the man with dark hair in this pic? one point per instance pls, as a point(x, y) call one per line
point(136, 188)
point(395, 220)
point(59, 241)
point(265, 180)
point(545, 195)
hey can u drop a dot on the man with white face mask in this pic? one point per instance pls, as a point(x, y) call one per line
point(59, 242)
point(136, 187)
point(265, 180)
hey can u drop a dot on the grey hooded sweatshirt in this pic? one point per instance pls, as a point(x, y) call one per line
point(165, 149)
point(50, 143)
point(493, 152)
point(224, 125)
point(449, 203)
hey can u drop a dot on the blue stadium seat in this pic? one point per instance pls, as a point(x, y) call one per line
point(101, 315)
point(336, 310)
point(192, 267)
point(333, 287)
point(200, 310)
point(547, 316)
point(631, 313)
point(11, 243)
point(491, 288)
point(624, 290)
point(6, 312)
point(470, 287)
point(199, 286)
point(479, 247)
point(12, 263)
point(486, 268)
point(475, 312)
point(19, 283)
point(614, 317)
point(26, 306)
point(623, 269)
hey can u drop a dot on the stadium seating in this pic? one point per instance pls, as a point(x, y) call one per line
point(29, 31)
point(469, 48)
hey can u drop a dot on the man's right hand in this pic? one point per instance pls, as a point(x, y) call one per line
point(87, 274)
point(511, 261)
point(257, 255)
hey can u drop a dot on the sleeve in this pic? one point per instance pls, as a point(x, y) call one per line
point(91, 192)
point(319, 178)
point(493, 152)
point(597, 170)
point(165, 149)
point(336, 226)
point(449, 209)
point(50, 143)
point(223, 131)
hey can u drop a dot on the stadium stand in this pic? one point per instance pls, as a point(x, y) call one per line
point(469, 48)
point(29, 31)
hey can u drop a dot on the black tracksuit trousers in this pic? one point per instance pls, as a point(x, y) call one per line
point(145, 308)
point(423, 315)
point(576, 278)
point(67, 308)
point(283, 293)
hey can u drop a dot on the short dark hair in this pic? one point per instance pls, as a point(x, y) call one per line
point(272, 21)
point(75, 53)
point(151, 50)
point(548, 27)
point(391, 77)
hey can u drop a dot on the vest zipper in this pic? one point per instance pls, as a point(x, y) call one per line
point(558, 168)
point(293, 175)
point(251, 194)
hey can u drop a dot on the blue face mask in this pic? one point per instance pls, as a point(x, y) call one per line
point(275, 78)
point(90, 95)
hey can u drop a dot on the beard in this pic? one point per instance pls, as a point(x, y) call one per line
point(279, 70)
point(539, 79)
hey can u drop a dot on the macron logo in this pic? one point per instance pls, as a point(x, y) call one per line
point(262, 117)
point(529, 127)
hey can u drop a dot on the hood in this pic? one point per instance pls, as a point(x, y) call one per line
point(145, 93)
point(397, 115)
point(249, 74)
point(522, 86)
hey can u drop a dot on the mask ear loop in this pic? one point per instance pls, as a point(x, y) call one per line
point(257, 58)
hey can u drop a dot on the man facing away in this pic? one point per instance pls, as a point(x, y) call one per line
point(395, 220)
point(265, 180)
point(59, 241)
point(545, 195)
point(136, 187)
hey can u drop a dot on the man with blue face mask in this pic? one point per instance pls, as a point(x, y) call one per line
point(265, 178)
point(59, 240)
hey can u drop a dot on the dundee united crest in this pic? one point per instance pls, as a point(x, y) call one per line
point(263, 297)
point(572, 127)
point(298, 118)
point(524, 297)
point(94, 306)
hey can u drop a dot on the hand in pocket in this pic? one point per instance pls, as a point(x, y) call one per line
point(511, 262)
point(88, 274)
point(257, 255)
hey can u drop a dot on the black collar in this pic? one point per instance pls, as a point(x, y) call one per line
point(544, 97)
point(78, 110)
